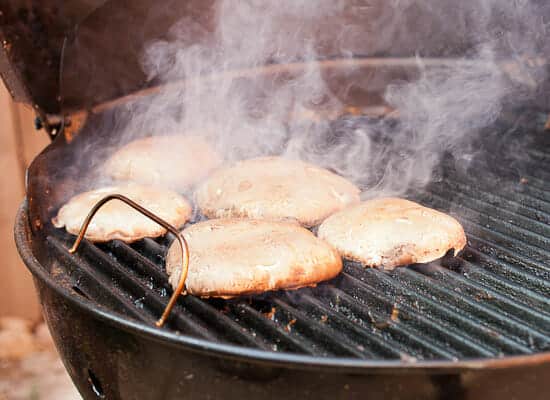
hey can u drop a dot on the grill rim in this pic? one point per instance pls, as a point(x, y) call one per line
point(23, 237)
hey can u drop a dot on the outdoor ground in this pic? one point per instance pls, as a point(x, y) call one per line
point(29, 366)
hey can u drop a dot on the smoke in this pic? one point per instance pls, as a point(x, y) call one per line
point(493, 46)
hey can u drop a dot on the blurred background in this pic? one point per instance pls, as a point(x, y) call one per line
point(19, 144)
point(29, 366)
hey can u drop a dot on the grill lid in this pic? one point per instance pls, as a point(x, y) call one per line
point(32, 35)
point(65, 56)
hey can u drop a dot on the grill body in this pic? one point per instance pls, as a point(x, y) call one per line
point(476, 326)
point(110, 357)
point(473, 327)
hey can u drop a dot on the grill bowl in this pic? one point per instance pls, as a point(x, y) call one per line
point(475, 325)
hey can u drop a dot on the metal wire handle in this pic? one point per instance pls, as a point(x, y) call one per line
point(183, 245)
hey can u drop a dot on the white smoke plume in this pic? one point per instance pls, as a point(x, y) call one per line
point(492, 47)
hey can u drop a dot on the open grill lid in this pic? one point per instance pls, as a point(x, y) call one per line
point(65, 56)
point(62, 57)
point(32, 35)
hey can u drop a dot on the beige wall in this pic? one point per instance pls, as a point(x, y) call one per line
point(19, 144)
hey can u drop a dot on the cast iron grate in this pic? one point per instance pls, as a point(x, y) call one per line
point(493, 300)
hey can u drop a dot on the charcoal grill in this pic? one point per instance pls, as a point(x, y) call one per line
point(474, 326)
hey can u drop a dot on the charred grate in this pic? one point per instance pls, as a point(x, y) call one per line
point(493, 300)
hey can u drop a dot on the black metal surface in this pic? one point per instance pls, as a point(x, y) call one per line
point(32, 33)
point(63, 56)
point(490, 302)
point(476, 326)
point(113, 357)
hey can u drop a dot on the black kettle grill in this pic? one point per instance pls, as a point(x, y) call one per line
point(474, 326)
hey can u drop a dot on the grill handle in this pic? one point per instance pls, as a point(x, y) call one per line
point(183, 245)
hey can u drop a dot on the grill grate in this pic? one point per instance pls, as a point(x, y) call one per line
point(491, 301)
